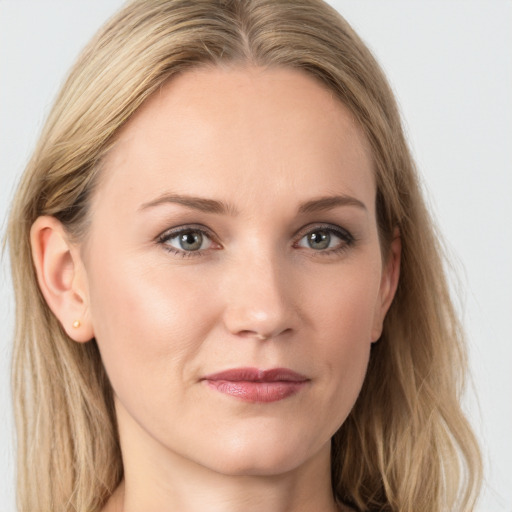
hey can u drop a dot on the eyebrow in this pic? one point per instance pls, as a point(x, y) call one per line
point(197, 203)
point(330, 202)
point(223, 208)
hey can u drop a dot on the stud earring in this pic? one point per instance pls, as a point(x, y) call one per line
point(76, 324)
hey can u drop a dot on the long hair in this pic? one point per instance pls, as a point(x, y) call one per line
point(406, 445)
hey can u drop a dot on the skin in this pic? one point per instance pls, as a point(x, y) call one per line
point(256, 294)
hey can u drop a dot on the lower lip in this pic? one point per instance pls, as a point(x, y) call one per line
point(257, 391)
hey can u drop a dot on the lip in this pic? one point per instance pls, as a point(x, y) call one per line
point(255, 385)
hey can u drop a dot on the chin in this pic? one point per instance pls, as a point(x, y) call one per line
point(263, 454)
point(261, 466)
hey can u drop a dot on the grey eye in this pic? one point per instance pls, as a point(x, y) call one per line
point(189, 241)
point(325, 239)
point(319, 239)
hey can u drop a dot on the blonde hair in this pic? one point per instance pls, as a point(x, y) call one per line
point(406, 445)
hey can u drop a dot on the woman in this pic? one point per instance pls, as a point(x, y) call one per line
point(230, 295)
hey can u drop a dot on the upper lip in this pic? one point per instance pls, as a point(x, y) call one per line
point(257, 375)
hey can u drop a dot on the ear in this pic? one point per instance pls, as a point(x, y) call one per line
point(388, 284)
point(61, 277)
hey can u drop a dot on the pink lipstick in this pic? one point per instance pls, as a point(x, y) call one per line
point(254, 385)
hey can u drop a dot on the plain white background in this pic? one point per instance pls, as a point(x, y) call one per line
point(450, 64)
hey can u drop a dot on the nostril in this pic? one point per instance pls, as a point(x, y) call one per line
point(258, 316)
point(254, 334)
point(261, 336)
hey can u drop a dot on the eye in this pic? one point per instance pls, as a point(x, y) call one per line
point(186, 240)
point(327, 239)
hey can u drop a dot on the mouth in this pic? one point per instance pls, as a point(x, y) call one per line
point(255, 385)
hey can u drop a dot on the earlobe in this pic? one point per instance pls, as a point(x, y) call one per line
point(61, 277)
point(389, 284)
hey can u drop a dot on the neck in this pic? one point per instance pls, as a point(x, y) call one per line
point(158, 479)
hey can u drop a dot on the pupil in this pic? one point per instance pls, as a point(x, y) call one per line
point(191, 241)
point(319, 240)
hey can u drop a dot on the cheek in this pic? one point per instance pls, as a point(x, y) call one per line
point(344, 316)
point(347, 305)
point(147, 323)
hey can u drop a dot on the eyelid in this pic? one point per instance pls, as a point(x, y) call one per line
point(166, 235)
point(346, 240)
point(342, 233)
point(334, 228)
point(176, 230)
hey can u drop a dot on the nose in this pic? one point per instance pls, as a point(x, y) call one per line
point(259, 299)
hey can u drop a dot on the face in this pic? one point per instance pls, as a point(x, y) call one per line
point(234, 270)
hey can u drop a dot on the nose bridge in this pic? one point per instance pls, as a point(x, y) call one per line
point(259, 296)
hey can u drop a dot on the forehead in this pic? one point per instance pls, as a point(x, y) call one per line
point(240, 131)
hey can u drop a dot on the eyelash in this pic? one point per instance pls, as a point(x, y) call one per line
point(173, 233)
point(348, 240)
